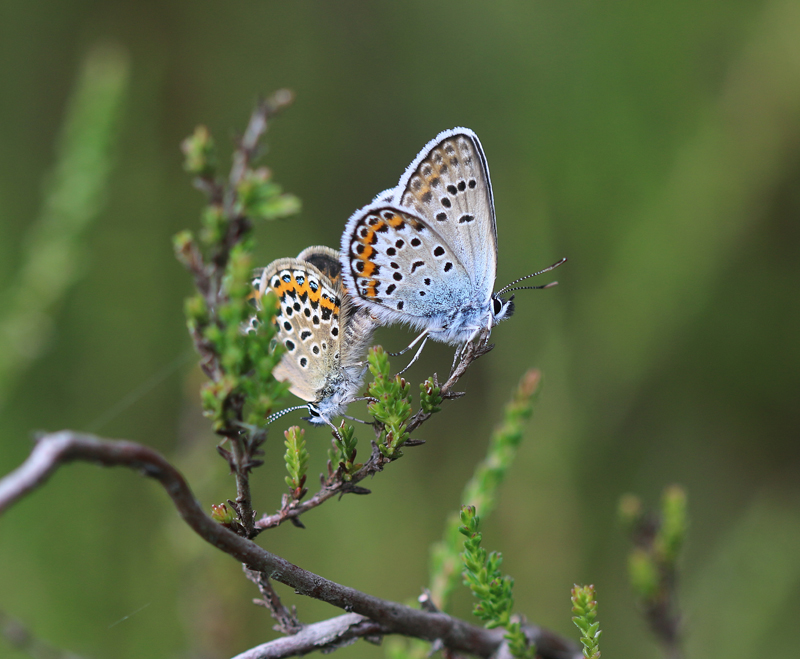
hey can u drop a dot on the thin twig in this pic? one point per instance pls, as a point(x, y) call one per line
point(286, 619)
point(323, 636)
point(66, 446)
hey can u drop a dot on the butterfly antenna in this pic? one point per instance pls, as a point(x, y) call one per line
point(278, 415)
point(508, 288)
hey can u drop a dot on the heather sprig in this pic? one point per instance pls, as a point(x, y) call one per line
point(584, 607)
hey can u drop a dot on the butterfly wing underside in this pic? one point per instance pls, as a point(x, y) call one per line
point(308, 324)
point(448, 185)
point(400, 267)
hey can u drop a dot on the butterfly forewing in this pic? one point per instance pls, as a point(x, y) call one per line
point(308, 324)
point(396, 262)
point(448, 185)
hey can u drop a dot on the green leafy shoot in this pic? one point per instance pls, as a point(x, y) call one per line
point(584, 607)
point(481, 572)
point(262, 199)
point(342, 455)
point(296, 461)
point(657, 540)
point(430, 397)
point(481, 490)
point(392, 405)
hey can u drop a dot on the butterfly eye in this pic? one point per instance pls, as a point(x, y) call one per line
point(313, 411)
point(497, 305)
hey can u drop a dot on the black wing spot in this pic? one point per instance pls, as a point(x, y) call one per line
point(400, 305)
point(315, 320)
point(439, 251)
point(448, 266)
point(472, 183)
point(391, 251)
point(394, 265)
point(364, 232)
point(462, 185)
point(446, 202)
point(466, 217)
point(426, 198)
point(289, 345)
point(399, 244)
point(452, 189)
point(422, 293)
point(415, 265)
point(314, 285)
point(360, 247)
point(390, 289)
point(335, 331)
point(397, 276)
point(307, 312)
point(303, 362)
point(287, 326)
point(305, 334)
point(315, 349)
point(442, 217)
point(360, 266)
point(427, 281)
point(416, 242)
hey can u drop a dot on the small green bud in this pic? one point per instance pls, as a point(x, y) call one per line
point(214, 224)
point(643, 574)
point(222, 514)
point(672, 533)
point(199, 153)
point(629, 511)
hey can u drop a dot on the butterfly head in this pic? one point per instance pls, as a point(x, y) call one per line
point(314, 415)
point(501, 308)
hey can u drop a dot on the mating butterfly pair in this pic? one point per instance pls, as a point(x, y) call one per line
point(423, 253)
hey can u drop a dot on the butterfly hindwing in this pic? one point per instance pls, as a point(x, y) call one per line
point(308, 322)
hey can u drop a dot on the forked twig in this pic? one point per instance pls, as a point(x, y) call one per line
point(53, 450)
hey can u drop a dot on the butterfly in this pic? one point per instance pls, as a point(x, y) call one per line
point(425, 252)
point(324, 334)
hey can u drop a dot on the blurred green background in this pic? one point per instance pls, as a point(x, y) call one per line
point(657, 145)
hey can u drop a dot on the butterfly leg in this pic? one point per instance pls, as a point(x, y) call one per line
point(410, 345)
point(352, 418)
point(461, 349)
point(335, 430)
point(416, 356)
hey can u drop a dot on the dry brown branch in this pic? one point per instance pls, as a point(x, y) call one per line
point(51, 451)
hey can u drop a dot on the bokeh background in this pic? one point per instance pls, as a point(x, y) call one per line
point(657, 145)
